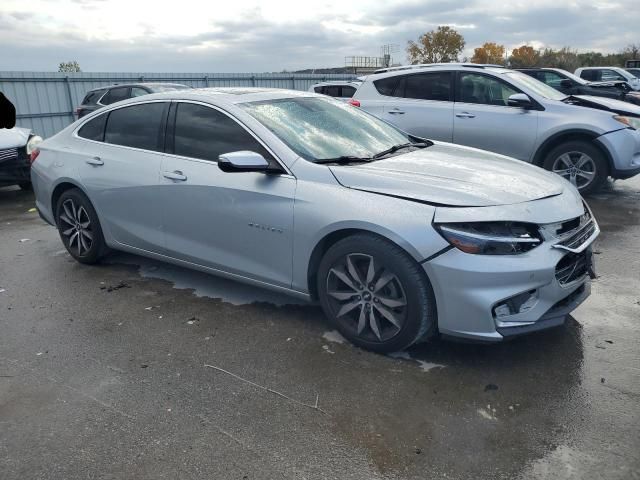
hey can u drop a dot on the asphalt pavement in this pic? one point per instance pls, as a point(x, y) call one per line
point(134, 369)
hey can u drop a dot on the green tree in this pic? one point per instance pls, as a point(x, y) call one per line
point(71, 66)
point(490, 52)
point(441, 45)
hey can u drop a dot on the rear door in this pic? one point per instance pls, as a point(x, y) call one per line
point(121, 169)
point(422, 104)
point(240, 222)
point(483, 119)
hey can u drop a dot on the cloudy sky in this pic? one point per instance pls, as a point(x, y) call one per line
point(254, 36)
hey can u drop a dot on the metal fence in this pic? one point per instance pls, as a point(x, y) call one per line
point(46, 101)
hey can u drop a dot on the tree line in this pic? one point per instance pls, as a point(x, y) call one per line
point(445, 44)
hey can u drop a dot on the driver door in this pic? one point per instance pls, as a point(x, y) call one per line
point(483, 119)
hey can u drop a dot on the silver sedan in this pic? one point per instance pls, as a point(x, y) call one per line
point(398, 237)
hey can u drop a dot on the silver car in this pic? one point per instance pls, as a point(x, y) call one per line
point(583, 138)
point(398, 237)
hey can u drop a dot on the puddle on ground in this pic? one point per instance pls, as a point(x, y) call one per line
point(424, 365)
point(203, 284)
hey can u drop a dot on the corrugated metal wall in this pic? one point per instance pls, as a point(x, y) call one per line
point(45, 101)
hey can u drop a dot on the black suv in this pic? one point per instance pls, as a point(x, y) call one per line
point(99, 97)
point(571, 84)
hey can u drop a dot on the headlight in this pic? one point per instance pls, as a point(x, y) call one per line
point(632, 122)
point(33, 142)
point(491, 238)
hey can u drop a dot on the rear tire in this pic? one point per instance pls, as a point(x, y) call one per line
point(79, 227)
point(580, 163)
point(375, 294)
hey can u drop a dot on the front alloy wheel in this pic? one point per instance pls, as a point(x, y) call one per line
point(369, 301)
point(581, 163)
point(577, 167)
point(375, 294)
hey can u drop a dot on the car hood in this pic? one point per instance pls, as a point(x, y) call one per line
point(611, 104)
point(13, 137)
point(452, 175)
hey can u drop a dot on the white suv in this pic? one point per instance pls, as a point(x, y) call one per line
point(511, 113)
point(608, 74)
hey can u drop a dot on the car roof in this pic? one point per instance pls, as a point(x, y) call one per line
point(225, 95)
point(390, 72)
point(139, 84)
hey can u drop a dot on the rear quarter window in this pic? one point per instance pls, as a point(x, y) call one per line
point(94, 128)
point(92, 98)
point(386, 86)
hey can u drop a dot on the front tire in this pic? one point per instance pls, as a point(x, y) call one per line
point(375, 294)
point(79, 227)
point(580, 163)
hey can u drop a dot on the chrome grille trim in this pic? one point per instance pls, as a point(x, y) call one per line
point(575, 240)
point(8, 154)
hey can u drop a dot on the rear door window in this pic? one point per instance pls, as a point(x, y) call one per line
point(205, 133)
point(94, 128)
point(136, 126)
point(115, 95)
point(426, 86)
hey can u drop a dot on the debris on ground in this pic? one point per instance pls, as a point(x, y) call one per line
point(111, 288)
point(193, 320)
point(2, 290)
point(23, 240)
point(602, 380)
point(490, 386)
point(267, 389)
point(31, 210)
point(144, 365)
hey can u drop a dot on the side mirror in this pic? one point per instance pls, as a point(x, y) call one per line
point(566, 83)
point(243, 161)
point(519, 100)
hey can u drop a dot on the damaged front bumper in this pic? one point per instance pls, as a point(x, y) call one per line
point(493, 297)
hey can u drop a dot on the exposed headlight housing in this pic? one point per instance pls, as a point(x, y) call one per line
point(34, 141)
point(491, 238)
point(632, 122)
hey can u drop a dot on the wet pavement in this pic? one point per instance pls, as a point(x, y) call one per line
point(138, 369)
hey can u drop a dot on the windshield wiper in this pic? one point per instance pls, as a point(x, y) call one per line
point(344, 159)
point(400, 146)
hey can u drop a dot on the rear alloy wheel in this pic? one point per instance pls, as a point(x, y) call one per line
point(375, 294)
point(580, 163)
point(79, 227)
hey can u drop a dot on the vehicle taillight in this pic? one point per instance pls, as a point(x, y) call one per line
point(33, 155)
point(353, 102)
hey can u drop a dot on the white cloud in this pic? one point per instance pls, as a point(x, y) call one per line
point(247, 35)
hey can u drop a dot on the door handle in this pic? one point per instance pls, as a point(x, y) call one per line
point(465, 115)
point(97, 161)
point(396, 111)
point(175, 175)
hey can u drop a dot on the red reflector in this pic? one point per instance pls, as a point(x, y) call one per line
point(33, 155)
point(353, 102)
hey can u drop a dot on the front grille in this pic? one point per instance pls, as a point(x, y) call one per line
point(579, 236)
point(572, 267)
point(8, 154)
